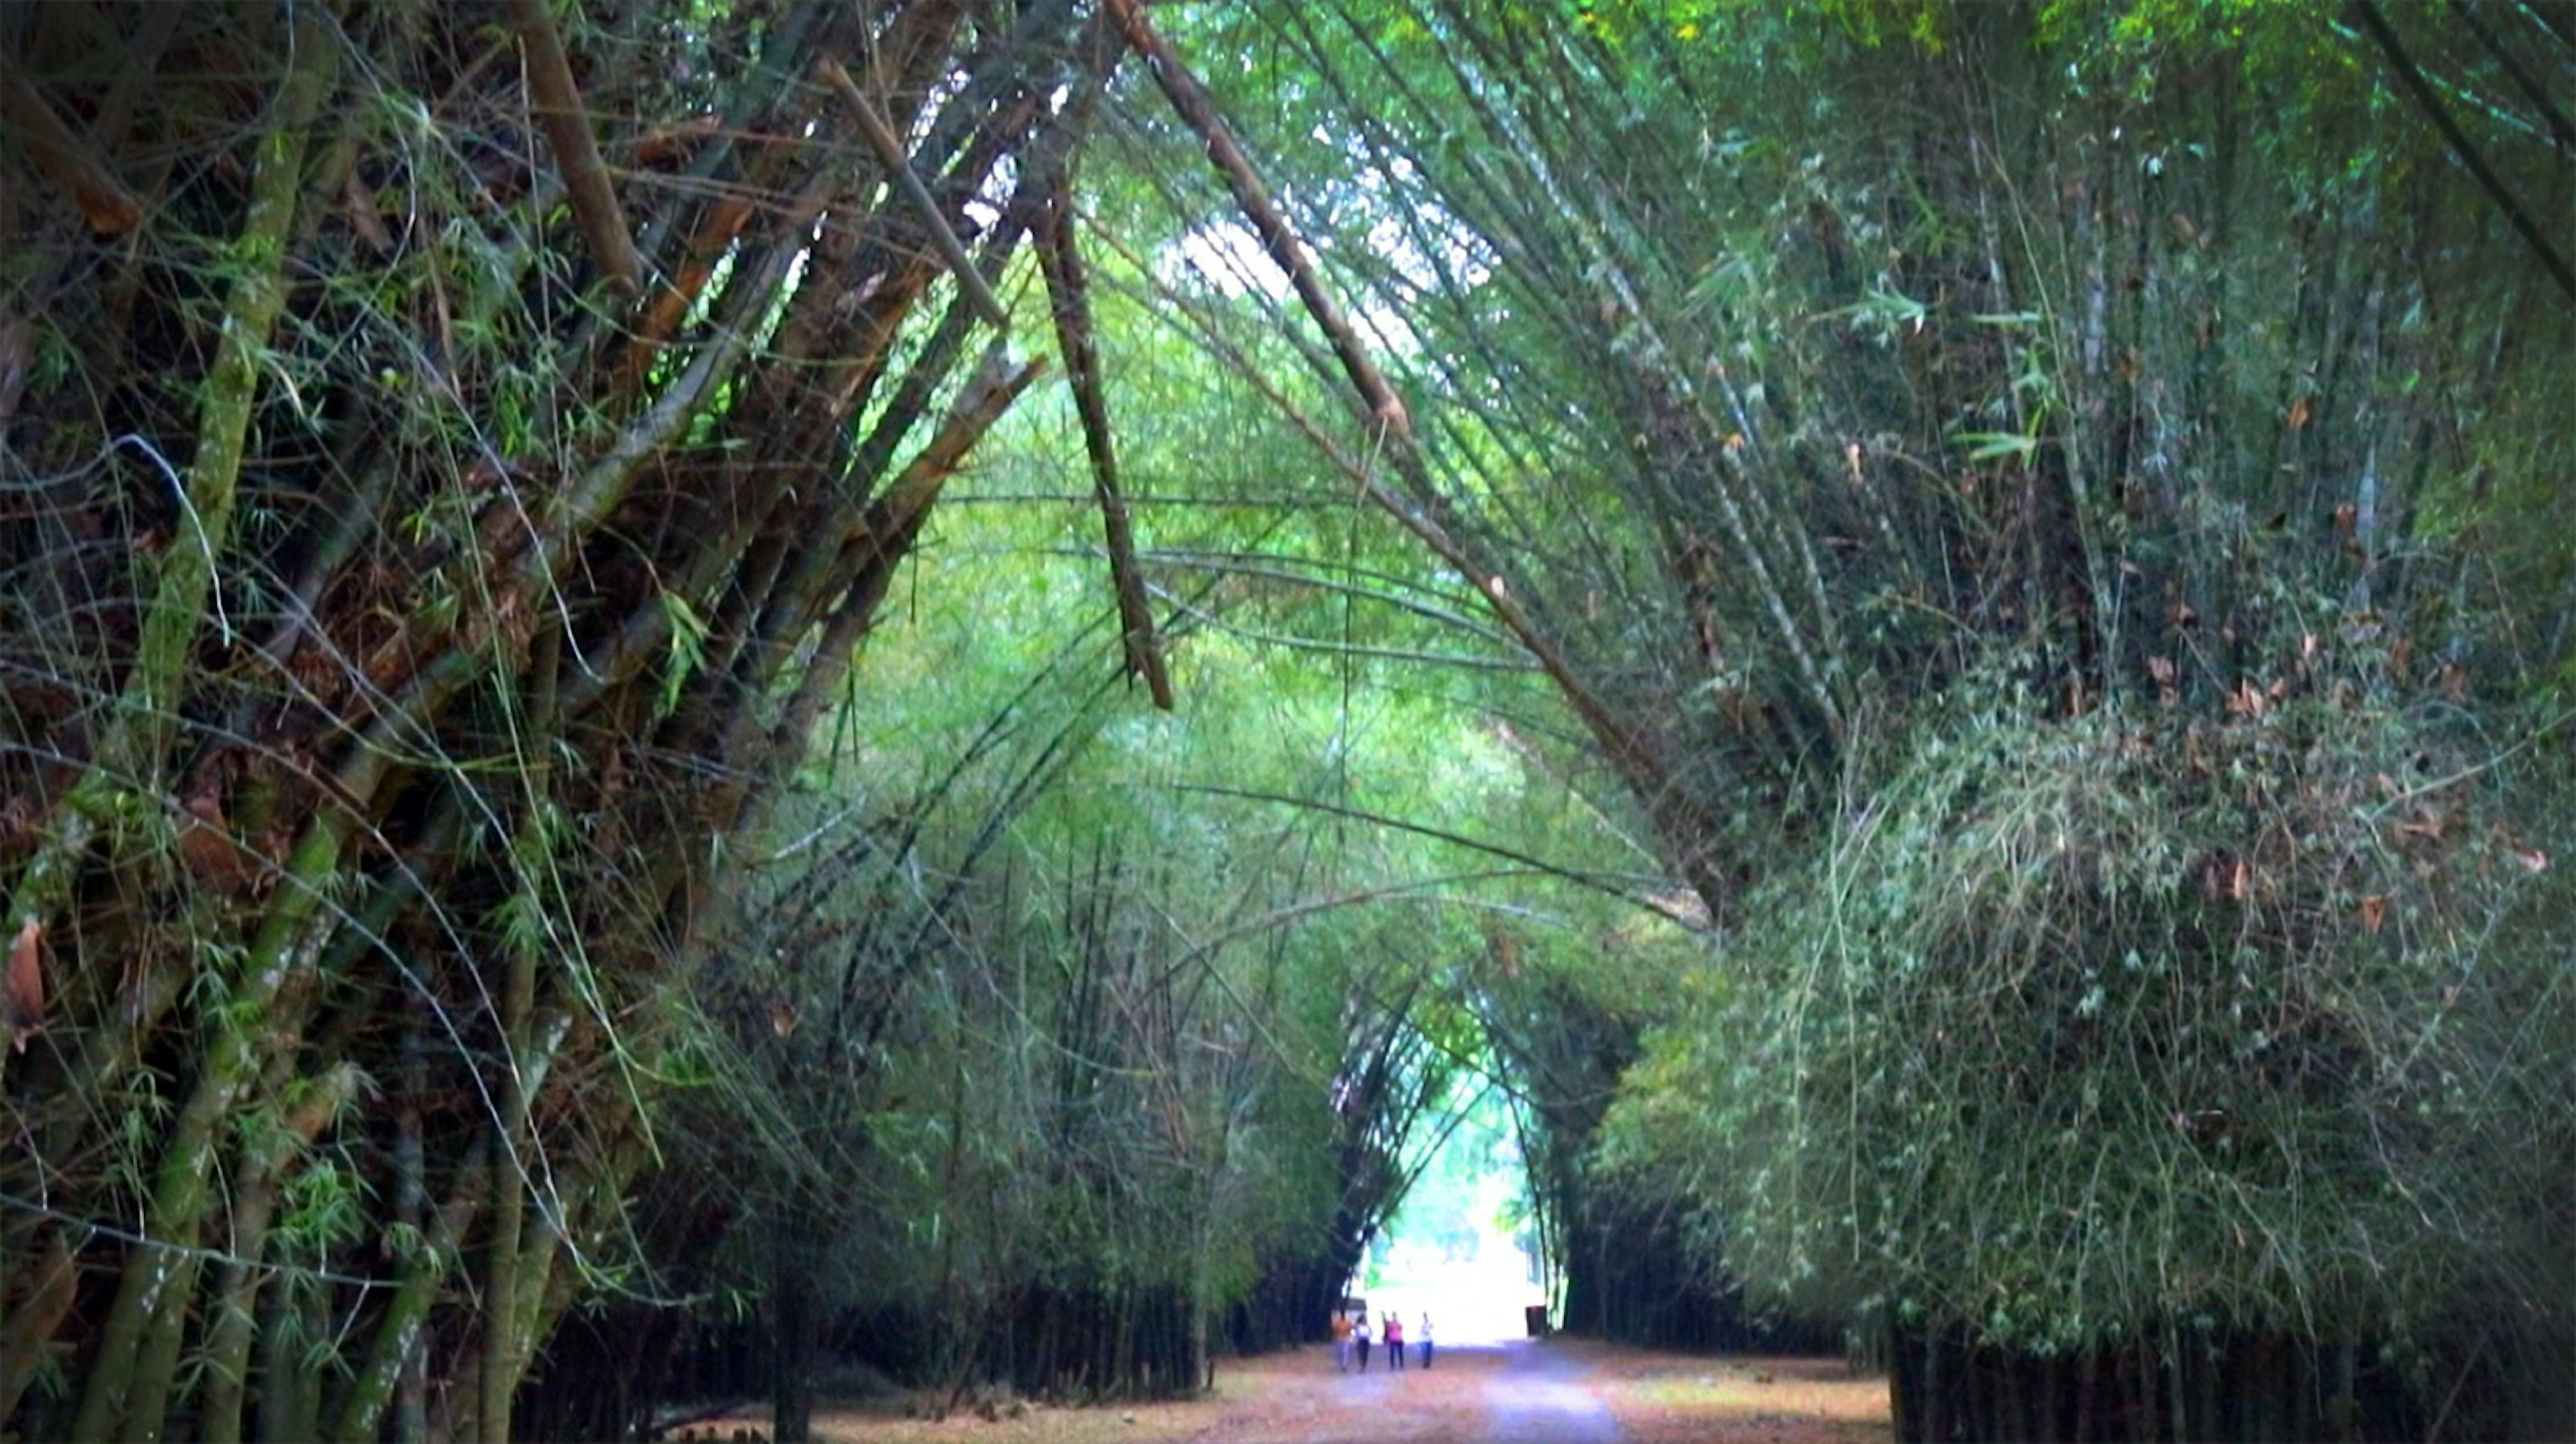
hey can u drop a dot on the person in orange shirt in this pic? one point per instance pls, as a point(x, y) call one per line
point(1341, 1342)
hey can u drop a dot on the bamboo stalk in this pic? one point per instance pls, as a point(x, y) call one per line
point(647, 629)
point(587, 502)
point(907, 182)
point(802, 579)
point(262, 1011)
point(605, 482)
point(1191, 99)
point(542, 1292)
point(715, 235)
point(2462, 148)
point(411, 1199)
point(178, 605)
point(892, 524)
point(519, 1081)
point(290, 1393)
point(138, 67)
point(559, 109)
point(1066, 283)
point(138, 735)
point(1750, 522)
point(143, 724)
point(233, 1328)
point(148, 706)
point(32, 1323)
point(64, 158)
point(400, 1329)
point(253, 1198)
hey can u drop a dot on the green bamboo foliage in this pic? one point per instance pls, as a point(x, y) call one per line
point(404, 612)
point(2121, 395)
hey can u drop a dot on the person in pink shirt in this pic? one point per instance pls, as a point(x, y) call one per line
point(1395, 1343)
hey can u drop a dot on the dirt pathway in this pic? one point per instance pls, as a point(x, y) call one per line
point(1540, 1396)
point(1561, 1391)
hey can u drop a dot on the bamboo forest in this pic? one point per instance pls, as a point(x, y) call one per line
point(873, 720)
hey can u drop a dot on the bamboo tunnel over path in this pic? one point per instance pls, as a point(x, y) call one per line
point(995, 700)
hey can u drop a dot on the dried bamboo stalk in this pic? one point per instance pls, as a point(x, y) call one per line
point(1070, 290)
point(890, 153)
point(559, 109)
point(66, 159)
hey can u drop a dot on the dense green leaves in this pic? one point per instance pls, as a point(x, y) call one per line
point(2062, 1036)
point(2009, 464)
point(1948, 672)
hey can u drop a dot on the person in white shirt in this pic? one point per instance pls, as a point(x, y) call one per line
point(1426, 1340)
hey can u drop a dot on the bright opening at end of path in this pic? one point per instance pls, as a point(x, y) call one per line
point(1462, 1247)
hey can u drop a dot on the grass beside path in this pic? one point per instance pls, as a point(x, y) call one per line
point(1661, 1398)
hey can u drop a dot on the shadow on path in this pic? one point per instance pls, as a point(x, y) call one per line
point(1538, 1396)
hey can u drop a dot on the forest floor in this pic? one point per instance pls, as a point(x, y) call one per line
point(1563, 1391)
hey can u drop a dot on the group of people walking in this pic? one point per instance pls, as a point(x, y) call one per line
point(1351, 1333)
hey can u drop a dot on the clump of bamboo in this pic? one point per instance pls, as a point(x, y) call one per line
point(2146, 1032)
point(444, 472)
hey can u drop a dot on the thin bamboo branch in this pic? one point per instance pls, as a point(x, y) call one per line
point(2553, 17)
point(1636, 890)
point(1192, 101)
point(1632, 751)
point(2562, 133)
